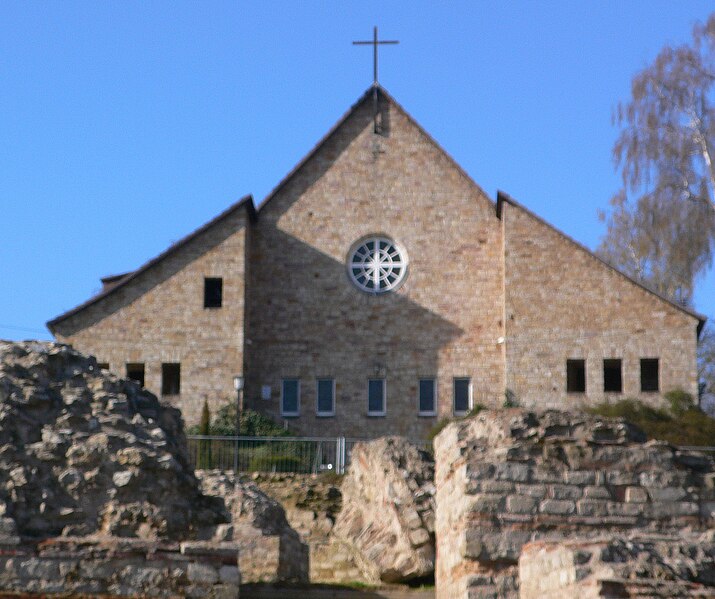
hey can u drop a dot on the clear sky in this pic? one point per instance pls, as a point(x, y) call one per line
point(126, 125)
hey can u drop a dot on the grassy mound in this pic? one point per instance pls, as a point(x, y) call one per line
point(680, 423)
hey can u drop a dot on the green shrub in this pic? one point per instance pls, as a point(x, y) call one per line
point(682, 423)
point(437, 428)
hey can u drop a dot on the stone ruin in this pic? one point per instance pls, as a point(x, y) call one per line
point(96, 491)
point(524, 500)
point(388, 510)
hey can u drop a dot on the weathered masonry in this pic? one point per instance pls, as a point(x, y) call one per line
point(377, 289)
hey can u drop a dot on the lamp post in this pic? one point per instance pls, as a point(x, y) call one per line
point(238, 386)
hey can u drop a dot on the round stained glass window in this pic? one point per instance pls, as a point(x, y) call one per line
point(377, 264)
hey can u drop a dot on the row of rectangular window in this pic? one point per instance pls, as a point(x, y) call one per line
point(170, 375)
point(612, 375)
point(376, 397)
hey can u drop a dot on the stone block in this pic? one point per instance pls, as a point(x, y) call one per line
point(520, 504)
point(636, 495)
point(199, 573)
point(557, 507)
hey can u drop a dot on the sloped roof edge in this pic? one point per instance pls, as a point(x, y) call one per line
point(505, 197)
point(245, 202)
point(365, 96)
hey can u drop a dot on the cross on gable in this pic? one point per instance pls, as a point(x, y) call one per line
point(375, 43)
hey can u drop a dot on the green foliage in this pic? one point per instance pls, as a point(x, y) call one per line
point(682, 423)
point(204, 458)
point(437, 428)
point(253, 424)
point(510, 400)
point(205, 422)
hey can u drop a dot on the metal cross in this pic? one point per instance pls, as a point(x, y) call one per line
point(375, 43)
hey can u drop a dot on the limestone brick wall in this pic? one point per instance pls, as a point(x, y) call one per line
point(307, 320)
point(505, 478)
point(160, 317)
point(562, 303)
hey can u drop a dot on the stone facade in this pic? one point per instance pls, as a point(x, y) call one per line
point(487, 287)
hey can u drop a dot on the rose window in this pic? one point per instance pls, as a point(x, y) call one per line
point(377, 264)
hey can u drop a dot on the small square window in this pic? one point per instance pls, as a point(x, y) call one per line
point(376, 397)
point(213, 292)
point(576, 376)
point(135, 372)
point(290, 397)
point(427, 397)
point(612, 376)
point(462, 396)
point(649, 375)
point(326, 397)
point(171, 378)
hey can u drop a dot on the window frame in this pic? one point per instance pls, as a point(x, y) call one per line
point(282, 398)
point(585, 377)
point(163, 378)
point(318, 412)
point(206, 297)
point(657, 380)
point(470, 396)
point(383, 412)
point(433, 411)
point(620, 375)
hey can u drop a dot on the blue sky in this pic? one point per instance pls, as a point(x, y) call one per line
point(126, 125)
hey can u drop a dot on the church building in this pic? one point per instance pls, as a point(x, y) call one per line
point(378, 289)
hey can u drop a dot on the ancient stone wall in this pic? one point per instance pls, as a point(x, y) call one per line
point(308, 321)
point(506, 478)
point(159, 317)
point(563, 303)
point(655, 566)
point(121, 568)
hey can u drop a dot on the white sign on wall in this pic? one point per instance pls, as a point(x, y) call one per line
point(266, 392)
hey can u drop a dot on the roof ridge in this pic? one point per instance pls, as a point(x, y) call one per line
point(246, 201)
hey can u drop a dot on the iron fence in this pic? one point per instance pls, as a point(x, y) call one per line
point(307, 455)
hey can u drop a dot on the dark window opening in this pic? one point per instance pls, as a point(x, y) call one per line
point(326, 397)
point(290, 397)
point(649, 374)
point(376, 397)
point(462, 395)
point(103, 365)
point(171, 379)
point(427, 396)
point(612, 377)
point(135, 372)
point(576, 376)
point(213, 292)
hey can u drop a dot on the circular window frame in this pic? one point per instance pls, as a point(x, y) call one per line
point(378, 239)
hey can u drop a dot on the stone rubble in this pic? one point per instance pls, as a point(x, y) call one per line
point(388, 513)
point(509, 477)
point(270, 550)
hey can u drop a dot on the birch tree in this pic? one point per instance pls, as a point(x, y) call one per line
point(661, 224)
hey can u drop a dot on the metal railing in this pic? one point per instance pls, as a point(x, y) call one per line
point(307, 455)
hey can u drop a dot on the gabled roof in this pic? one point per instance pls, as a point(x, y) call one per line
point(504, 197)
point(115, 282)
point(374, 88)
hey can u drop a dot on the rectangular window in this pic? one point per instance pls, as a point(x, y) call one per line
point(103, 365)
point(135, 372)
point(612, 377)
point(326, 397)
point(462, 395)
point(376, 397)
point(290, 397)
point(649, 374)
point(427, 397)
point(171, 378)
point(213, 292)
point(576, 376)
